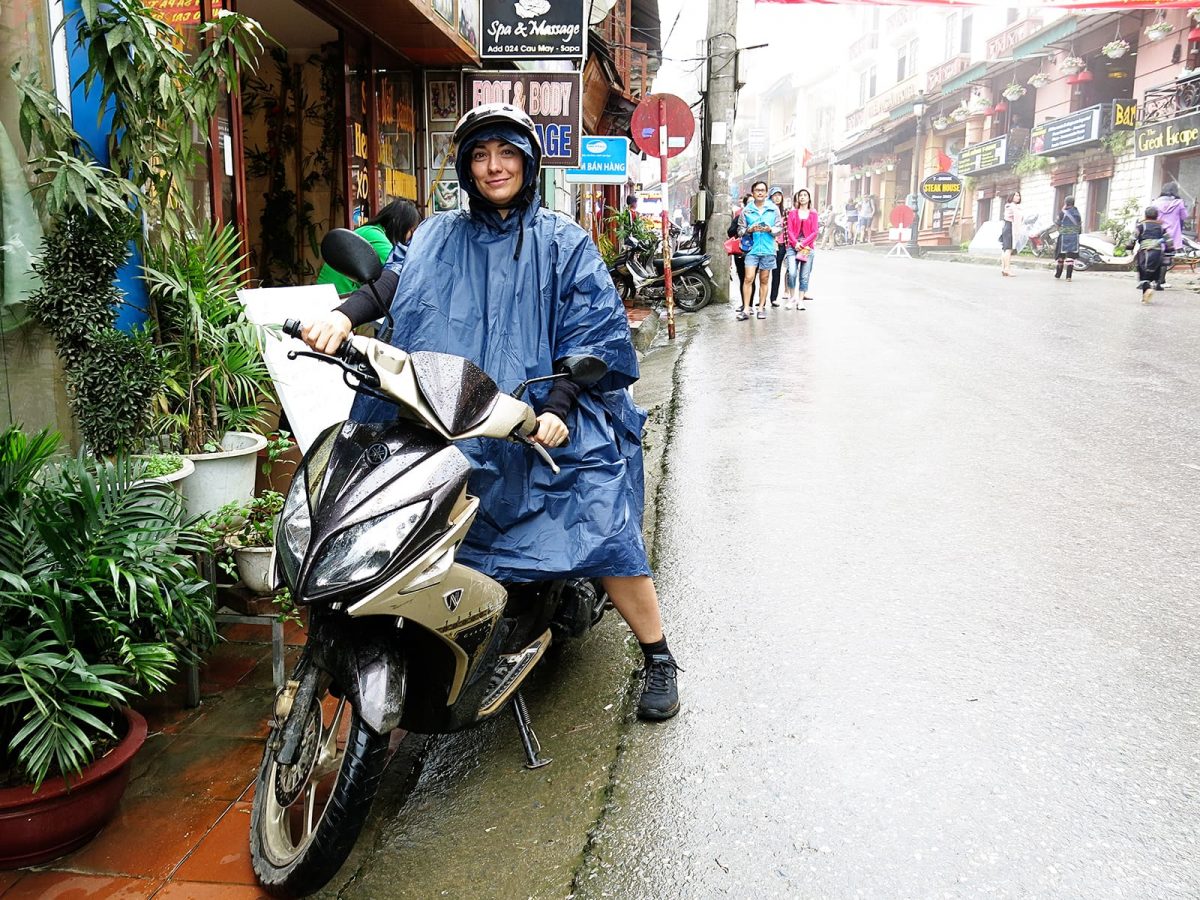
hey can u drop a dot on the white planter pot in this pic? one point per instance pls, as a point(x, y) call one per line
point(254, 568)
point(175, 481)
point(224, 476)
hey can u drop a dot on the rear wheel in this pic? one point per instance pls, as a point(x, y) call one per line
point(839, 238)
point(692, 292)
point(306, 817)
point(1087, 258)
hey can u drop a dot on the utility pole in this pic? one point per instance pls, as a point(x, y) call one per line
point(717, 149)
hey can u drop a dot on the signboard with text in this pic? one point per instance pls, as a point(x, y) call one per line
point(532, 29)
point(552, 100)
point(602, 160)
point(1172, 136)
point(980, 157)
point(1124, 115)
point(942, 187)
point(1081, 127)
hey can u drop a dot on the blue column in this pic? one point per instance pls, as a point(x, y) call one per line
point(85, 112)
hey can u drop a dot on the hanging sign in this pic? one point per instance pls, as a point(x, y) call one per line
point(1124, 115)
point(602, 160)
point(532, 29)
point(1172, 136)
point(942, 187)
point(980, 157)
point(552, 100)
point(1078, 128)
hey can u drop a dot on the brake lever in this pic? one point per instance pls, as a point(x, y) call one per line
point(540, 450)
point(366, 378)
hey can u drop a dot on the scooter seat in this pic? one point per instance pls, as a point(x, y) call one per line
point(681, 262)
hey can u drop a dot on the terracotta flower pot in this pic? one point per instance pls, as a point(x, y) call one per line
point(36, 827)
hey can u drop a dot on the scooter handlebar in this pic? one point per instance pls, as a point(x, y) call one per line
point(291, 327)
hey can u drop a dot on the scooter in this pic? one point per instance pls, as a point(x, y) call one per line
point(400, 635)
point(1095, 251)
point(638, 276)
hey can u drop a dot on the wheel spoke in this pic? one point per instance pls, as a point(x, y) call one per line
point(310, 804)
point(327, 753)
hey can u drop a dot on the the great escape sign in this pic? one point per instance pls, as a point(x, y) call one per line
point(532, 29)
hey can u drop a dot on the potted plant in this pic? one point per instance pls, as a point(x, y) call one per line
point(216, 380)
point(242, 535)
point(1159, 30)
point(941, 123)
point(1194, 14)
point(959, 113)
point(1039, 80)
point(100, 602)
point(1013, 91)
point(1115, 49)
point(1072, 65)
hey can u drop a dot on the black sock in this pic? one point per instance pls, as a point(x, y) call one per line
point(658, 648)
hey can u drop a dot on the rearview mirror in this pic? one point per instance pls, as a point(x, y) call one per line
point(352, 255)
point(584, 370)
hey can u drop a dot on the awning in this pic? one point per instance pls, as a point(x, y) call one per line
point(877, 136)
point(973, 73)
point(1056, 32)
point(412, 29)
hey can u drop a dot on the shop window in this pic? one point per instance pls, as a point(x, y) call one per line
point(983, 211)
point(1097, 202)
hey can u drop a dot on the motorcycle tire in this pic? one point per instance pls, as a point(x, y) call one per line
point(294, 854)
point(692, 292)
point(839, 238)
point(1087, 258)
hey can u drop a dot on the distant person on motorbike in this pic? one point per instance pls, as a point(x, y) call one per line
point(1172, 213)
point(517, 289)
point(762, 222)
point(1070, 226)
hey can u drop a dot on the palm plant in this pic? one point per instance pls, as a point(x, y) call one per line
point(99, 601)
point(216, 380)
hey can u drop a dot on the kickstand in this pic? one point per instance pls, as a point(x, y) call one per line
point(533, 749)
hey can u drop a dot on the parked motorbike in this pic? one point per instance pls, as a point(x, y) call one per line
point(1096, 250)
point(841, 236)
point(399, 635)
point(638, 275)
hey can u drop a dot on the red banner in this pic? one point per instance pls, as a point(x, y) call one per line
point(1050, 4)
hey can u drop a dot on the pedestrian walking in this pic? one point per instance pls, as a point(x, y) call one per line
point(851, 213)
point(1070, 226)
point(866, 214)
point(1013, 223)
point(802, 230)
point(760, 221)
point(1172, 212)
point(777, 275)
point(1152, 240)
point(829, 229)
point(739, 258)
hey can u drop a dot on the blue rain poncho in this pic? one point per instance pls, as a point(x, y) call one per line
point(461, 291)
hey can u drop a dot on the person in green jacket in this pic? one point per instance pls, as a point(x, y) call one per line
point(392, 227)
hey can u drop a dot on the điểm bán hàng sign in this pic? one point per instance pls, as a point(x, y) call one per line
point(532, 29)
point(551, 99)
point(1172, 136)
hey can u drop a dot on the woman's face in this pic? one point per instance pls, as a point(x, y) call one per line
point(802, 199)
point(1016, 197)
point(498, 169)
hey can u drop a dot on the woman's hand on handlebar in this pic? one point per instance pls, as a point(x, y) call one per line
point(551, 431)
point(326, 333)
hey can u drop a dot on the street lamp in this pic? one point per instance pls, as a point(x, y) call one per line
point(914, 248)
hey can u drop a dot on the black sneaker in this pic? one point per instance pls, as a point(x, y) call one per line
point(660, 695)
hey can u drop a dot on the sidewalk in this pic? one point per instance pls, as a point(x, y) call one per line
point(183, 827)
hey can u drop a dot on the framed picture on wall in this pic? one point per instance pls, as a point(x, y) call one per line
point(445, 196)
point(468, 21)
point(445, 9)
point(443, 101)
point(439, 147)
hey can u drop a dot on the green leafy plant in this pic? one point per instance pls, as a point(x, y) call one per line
point(100, 601)
point(1118, 142)
point(216, 380)
point(241, 524)
point(276, 447)
point(1119, 224)
point(1031, 164)
point(161, 464)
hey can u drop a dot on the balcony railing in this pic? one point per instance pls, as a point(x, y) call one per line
point(901, 18)
point(1170, 100)
point(865, 44)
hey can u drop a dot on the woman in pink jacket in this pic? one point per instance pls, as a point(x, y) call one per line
point(802, 228)
point(1172, 212)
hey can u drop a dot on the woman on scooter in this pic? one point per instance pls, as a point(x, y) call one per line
point(517, 289)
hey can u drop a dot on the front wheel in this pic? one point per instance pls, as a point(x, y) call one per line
point(692, 292)
point(306, 817)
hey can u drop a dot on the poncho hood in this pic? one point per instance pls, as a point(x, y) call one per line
point(533, 164)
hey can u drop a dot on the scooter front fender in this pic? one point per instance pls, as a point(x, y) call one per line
point(370, 671)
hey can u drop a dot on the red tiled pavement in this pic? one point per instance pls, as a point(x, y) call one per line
point(182, 830)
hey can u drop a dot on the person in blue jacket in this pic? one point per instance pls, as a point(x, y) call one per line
point(517, 289)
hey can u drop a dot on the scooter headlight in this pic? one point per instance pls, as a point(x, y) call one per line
point(361, 551)
point(295, 531)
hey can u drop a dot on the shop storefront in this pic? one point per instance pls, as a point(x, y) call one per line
point(1174, 144)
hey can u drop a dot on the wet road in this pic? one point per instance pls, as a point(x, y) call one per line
point(928, 552)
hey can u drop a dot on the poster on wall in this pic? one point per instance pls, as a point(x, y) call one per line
point(468, 21)
point(532, 29)
point(443, 100)
point(445, 9)
point(394, 110)
point(552, 100)
point(446, 196)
